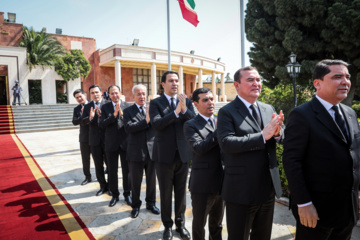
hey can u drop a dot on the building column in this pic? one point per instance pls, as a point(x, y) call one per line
point(153, 82)
point(223, 97)
point(181, 80)
point(213, 87)
point(118, 74)
point(200, 83)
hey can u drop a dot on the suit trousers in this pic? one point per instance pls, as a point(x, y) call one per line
point(204, 205)
point(85, 157)
point(113, 165)
point(258, 218)
point(321, 232)
point(98, 154)
point(172, 175)
point(136, 176)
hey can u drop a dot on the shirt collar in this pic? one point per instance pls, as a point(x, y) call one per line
point(327, 105)
point(206, 118)
point(138, 106)
point(247, 104)
point(168, 97)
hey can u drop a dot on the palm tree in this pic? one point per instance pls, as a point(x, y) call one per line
point(41, 48)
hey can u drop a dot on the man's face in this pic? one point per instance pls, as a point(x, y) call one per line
point(206, 104)
point(249, 87)
point(335, 85)
point(114, 94)
point(95, 94)
point(140, 96)
point(80, 98)
point(171, 84)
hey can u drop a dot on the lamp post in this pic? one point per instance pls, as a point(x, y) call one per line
point(293, 68)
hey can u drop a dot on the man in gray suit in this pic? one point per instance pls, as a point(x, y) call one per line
point(206, 171)
point(246, 133)
point(140, 151)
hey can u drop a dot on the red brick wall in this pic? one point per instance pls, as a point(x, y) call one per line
point(3, 70)
point(10, 33)
point(189, 78)
point(127, 83)
point(107, 77)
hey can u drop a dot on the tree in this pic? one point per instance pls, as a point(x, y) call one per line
point(313, 29)
point(41, 48)
point(72, 65)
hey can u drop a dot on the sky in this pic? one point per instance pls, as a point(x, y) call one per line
point(120, 21)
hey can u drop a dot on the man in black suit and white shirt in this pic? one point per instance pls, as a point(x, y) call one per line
point(80, 97)
point(206, 171)
point(322, 158)
point(140, 151)
point(115, 144)
point(90, 116)
point(168, 113)
point(246, 134)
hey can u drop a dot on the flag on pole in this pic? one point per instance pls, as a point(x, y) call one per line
point(187, 10)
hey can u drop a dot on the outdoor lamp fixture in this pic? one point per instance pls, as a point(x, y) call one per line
point(135, 42)
point(219, 59)
point(192, 52)
point(12, 17)
point(293, 68)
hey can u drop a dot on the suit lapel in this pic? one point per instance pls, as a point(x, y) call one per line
point(202, 126)
point(244, 112)
point(165, 103)
point(325, 118)
point(264, 114)
point(349, 119)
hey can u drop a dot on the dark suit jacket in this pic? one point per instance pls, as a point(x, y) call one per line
point(206, 171)
point(115, 135)
point(140, 135)
point(96, 133)
point(247, 158)
point(84, 128)
point(320, 165)
point(169, 135)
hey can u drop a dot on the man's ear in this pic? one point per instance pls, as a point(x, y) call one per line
point(317, 83)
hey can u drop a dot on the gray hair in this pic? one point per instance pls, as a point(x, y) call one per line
point(138, 86)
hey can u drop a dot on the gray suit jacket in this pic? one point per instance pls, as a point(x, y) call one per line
point(251, 171)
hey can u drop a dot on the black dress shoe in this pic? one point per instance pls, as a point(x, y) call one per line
point(113, 201)
point(86, 181)
point(167, 235)
point(128, 200)
point(135, 213)
point(101, 191)
point(184, 233)
point(153, 209)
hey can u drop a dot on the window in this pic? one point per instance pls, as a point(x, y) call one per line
point(143, 76)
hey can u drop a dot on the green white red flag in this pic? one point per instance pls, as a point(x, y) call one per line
point(187, 9)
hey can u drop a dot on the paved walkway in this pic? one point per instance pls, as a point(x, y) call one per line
point(57, 153)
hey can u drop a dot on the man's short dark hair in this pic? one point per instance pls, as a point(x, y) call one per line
point(163, 77)
point(322, 67)
point(78, 91)
point(112, 87)
point(237, 75)
point(195, 95)
point(94, 86)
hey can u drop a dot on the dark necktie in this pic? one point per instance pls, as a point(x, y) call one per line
point(340, 121)
point(256, 115)
point(172, 104)
point(211, 123)
point(142, 111)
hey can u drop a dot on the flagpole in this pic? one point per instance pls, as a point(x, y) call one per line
point(242, 33)
point(168, 30)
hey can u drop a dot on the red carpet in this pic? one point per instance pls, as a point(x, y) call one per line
point(6, 120)
point(30, 206)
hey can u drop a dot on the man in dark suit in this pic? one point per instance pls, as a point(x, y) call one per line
point(115, 144)
point(80, 97)
point(90, 116)
point(322, 156)
point(246, 134)
point(140, 151)
point(206, 171)
point(168, 113)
